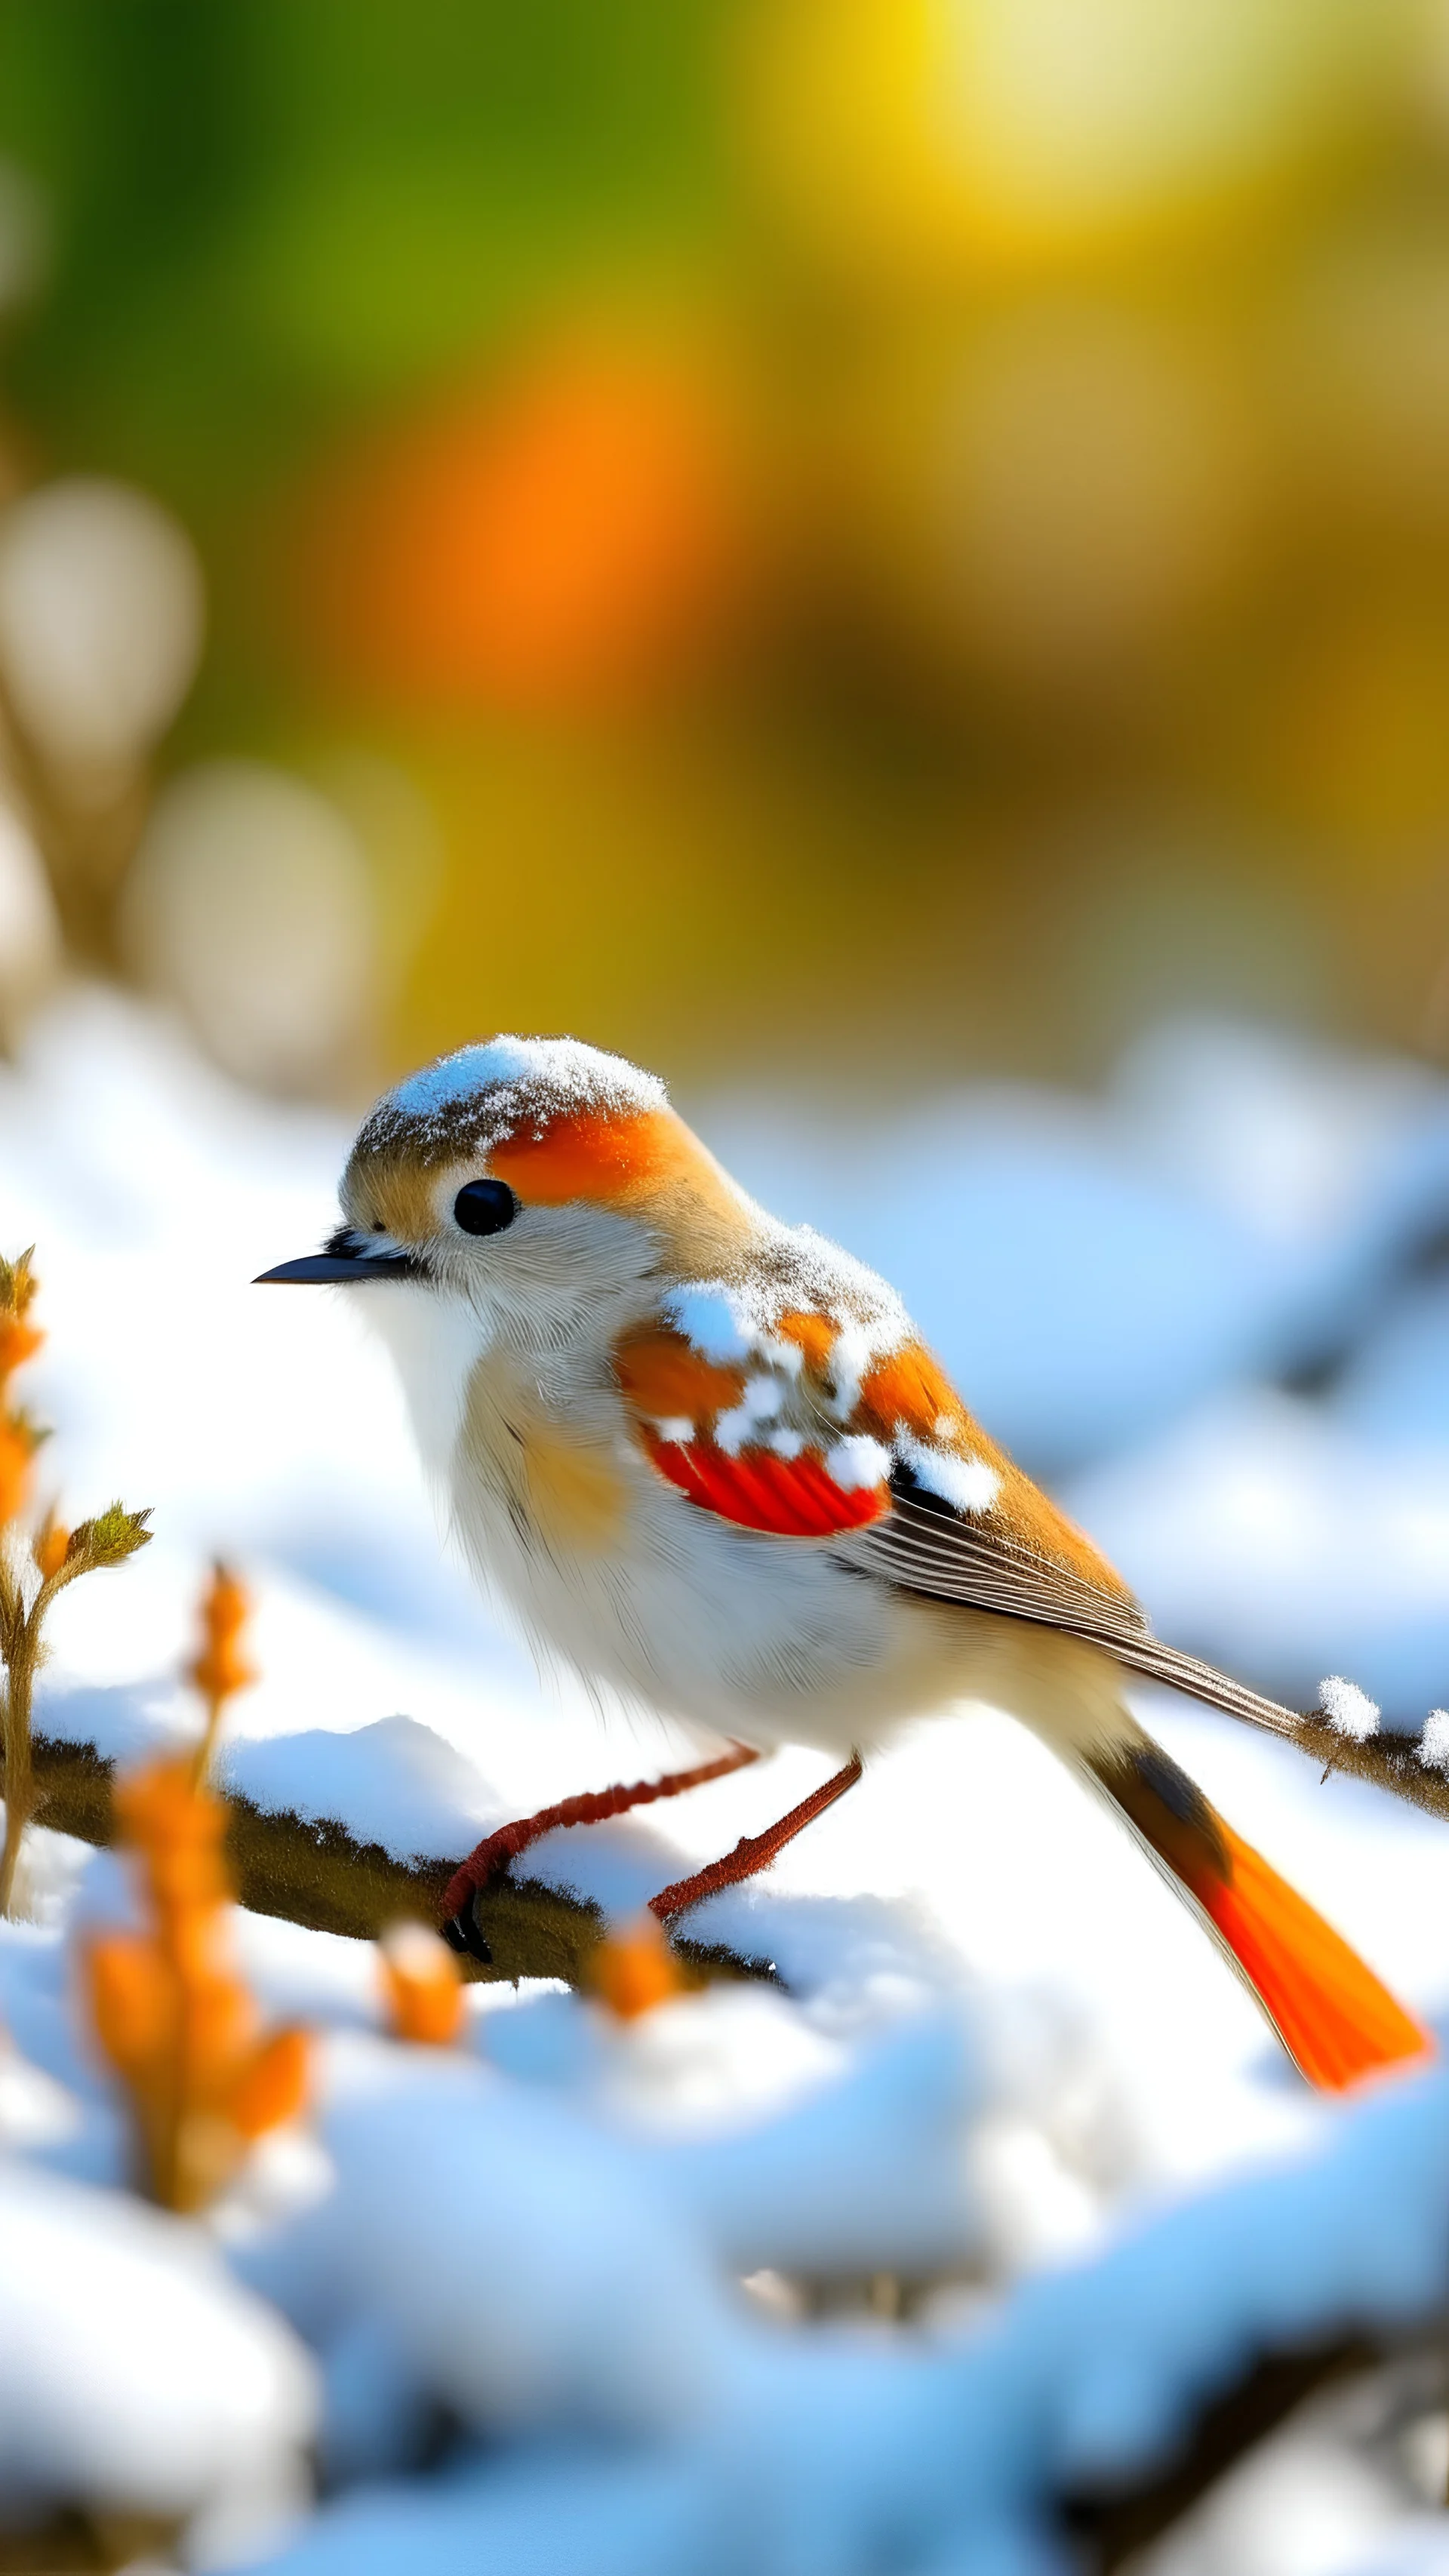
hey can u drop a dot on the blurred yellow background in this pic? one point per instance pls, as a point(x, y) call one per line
point(873, 538)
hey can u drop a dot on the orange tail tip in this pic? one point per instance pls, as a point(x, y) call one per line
point(1337, 2022)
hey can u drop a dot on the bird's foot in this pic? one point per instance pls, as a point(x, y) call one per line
point(756, 1851)
point(460, 1927)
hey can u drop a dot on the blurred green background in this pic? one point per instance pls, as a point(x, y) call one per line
point(868, 538)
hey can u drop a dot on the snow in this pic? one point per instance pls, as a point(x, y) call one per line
point(775, 2450)
point(1349, 1710)
point(135, 2372)
point(714, 1321)
point(794, 1270)
point(1005, 2061)
point(760, 1398)
point(854, 1464)
point(967, 1483)
point(392, 1782)
point(561, 2295)
point(510, 1083)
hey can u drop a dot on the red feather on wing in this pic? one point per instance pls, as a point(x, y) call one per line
point(758, 1489)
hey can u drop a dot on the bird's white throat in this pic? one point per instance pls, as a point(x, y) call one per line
point(436, 1339)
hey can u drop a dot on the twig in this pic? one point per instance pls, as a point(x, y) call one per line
point(60, 1557)
point(1391, 1762)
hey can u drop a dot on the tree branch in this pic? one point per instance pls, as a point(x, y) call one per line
point(320, 1876)
point(1391, 1762)
point(1112, 2524)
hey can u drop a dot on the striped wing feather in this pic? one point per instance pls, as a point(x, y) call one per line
point(927, 1548)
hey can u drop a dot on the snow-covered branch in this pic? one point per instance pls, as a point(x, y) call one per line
point(320, 1875)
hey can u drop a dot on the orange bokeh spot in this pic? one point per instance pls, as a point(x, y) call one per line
point(50, 1550)
point(17, 1447)
point(421, 1992)
point(221, 1669)
point(559, 540)
point(19, 1342)
point(634, 1970)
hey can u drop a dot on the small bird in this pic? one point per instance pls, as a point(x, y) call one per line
point(705, 1459)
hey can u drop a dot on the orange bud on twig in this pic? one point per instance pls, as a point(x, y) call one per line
point(17, 1449)
point(19, 1342)
point(274, 2087)
point(635, 1969)
point(221, 1669)
point(421, 1987)
point(56, 1555)
point(171, 2013)
point(50, 1549)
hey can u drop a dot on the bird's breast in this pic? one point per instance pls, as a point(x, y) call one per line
point(610, 1569)
point(571, 1494)
point(550, 1461)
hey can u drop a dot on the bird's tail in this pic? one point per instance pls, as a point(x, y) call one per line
point(1337, 2022)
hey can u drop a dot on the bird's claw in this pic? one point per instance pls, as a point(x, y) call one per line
point(462, 1934)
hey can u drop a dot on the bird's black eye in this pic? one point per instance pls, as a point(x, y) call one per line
point(485, 1207)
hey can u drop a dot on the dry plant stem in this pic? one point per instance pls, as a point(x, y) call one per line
point(88, 2537)
point(202, 1758)
point(20, 1647)
point(107, 1540)
point(48, 1558)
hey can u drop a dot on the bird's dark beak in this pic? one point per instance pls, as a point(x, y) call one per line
point(343, 1263)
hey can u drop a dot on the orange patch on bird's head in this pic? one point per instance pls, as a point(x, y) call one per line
point(553, 1117)
point(591, 1155)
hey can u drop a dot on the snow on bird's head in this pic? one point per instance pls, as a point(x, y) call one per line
point(559, 1121)
point(509, 1093)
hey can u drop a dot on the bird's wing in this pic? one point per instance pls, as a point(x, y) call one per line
point(1020, 1556)
point(808, 1435)
point(750, 1439)
point(800, 1428)
point(926, 1548)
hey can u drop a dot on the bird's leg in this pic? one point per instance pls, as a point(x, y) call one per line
point(756, 1851)
point(594, 1807)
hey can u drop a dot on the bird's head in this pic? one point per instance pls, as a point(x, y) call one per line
point(535, 1179)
